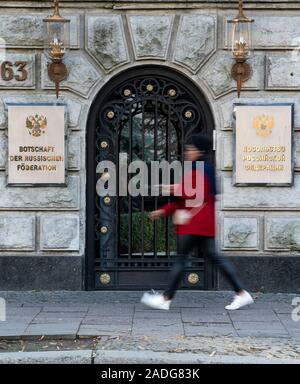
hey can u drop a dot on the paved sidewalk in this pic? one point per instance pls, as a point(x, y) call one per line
point(197, 322)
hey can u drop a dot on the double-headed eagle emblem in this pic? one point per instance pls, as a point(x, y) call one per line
point(36, 125)
point(263, 125)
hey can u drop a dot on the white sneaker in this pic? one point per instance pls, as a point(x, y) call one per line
point(155, 300)
point(240, 301)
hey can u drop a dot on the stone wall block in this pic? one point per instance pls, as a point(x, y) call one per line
point(82, 77)
point(150, 35)
point(276, 32)
point(3, 150)
point(74, 152)
point(40, 198)
point(196, 40)
point(19, 30)
point(283, 72)
point(240, 233)
point(59, 232)
point(19, 76)
point(227, 150)
point(17, 232)
point(260, 198)
point(217, 73)
point(283, 233)
point(105, 40)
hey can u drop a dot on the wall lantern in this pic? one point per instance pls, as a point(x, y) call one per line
point(240, 43)
point(56, 44)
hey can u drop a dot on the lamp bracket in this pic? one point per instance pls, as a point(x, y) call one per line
point(241, 72)
point(57, 72)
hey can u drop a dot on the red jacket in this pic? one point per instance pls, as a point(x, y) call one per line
point(203, 222)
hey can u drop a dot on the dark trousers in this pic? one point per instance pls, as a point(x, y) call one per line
point(186, 243)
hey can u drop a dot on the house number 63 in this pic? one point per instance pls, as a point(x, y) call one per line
point(11, 71)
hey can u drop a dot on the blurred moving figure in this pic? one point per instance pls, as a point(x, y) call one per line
point(195, 226)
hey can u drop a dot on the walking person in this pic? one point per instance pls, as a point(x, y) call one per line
point(195, 227)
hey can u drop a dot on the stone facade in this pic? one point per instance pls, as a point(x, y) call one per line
point(41, 223)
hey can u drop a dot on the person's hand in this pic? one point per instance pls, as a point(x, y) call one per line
point(154, 215)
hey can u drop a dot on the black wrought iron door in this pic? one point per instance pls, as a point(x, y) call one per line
point(144, 114)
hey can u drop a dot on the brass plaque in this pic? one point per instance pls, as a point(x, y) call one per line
point(36, 144)
point(263, 144)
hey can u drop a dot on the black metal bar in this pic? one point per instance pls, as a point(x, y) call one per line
point(155, 158)
point(143, 158)
point(117, 202)
point(168, 159)
point(129, 197)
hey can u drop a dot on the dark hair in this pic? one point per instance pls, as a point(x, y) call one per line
point(200, 141)
point(204, 143)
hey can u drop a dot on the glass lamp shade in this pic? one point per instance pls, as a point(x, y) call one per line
point(240, 37)
point(57, 36)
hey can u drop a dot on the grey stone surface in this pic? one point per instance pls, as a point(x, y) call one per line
point(282, 72)
point(151, 34)
point(67, 329)
point(103, 329)
point(226, 150)
point(21, 30)
point(17, 232)
point(49, 357)
point(240, 232)
point(209, 329)
point(74, 152)
point(14, 58)
point(260, 329)
point(3, 149)
point(226, 106)
point(283, 232)
point(296, 149)
point(39, 198)
point(59, 232)
point(254, 315)
point(260, 197)
point(196, 40)
point(198, 315)
point(2, 114)
point(276, 31)
point(150, 357)
point(217, 73)
point(83, 76)
point(105, 40)
point(73, 106)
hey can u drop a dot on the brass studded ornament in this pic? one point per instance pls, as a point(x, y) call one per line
point(172, 92)
point(106, 200)
point(110, 114)
point(193, 278)
point(103, 230)
point(104, 278)
point(104, 144)
point(188, 114)
point(127, 92)
point(150, 88)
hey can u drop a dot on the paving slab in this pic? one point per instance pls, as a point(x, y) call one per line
point(260, 329)
point(67, 329)
point(199, 316)
point(209, 329)
point(102, 329)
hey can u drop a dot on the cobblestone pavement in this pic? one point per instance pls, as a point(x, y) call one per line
point(196, 322)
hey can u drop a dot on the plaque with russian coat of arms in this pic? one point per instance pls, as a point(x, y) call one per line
point(36, 145)
point(263, 145)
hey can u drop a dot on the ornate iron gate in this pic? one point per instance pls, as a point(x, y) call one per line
point(143, 114)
